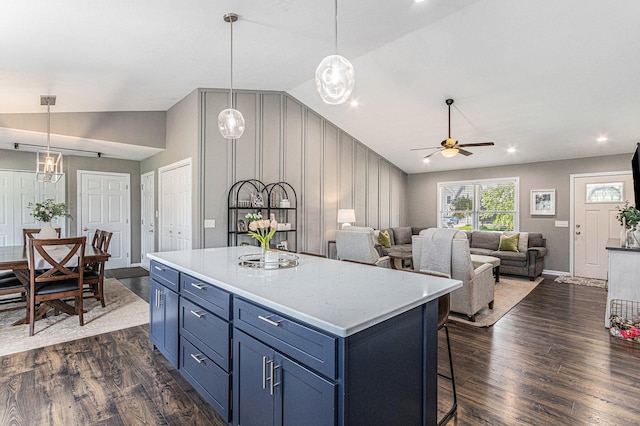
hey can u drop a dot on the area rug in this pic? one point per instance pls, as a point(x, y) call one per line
point(508, 293)
point(123, 310)
point(589, 282)
point(134, 272)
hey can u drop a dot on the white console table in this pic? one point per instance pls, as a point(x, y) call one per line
point(624, 273)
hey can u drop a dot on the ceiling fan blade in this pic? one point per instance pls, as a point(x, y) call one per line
point(421, 149)
point(479, 144)
point(464, 152)
point(434, 152)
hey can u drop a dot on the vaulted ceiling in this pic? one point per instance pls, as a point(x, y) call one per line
point(546, 78)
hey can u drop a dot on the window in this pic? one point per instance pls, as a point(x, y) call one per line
point(605, 192)
point(484, 205)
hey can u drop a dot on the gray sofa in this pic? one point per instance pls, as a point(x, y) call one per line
point(528, 261)
point(400, 239)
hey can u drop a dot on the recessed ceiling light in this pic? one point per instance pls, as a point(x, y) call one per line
point(511, 150)
point(426, 160)
point(602, 139)
point(355, 103)
point(419, 1)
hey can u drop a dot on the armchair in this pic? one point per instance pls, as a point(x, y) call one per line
point(358, 243)
point(478, 284)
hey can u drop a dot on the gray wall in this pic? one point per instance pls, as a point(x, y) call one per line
point(422, 196)
point(145, 128)
point(20, 160)
point(286, 141)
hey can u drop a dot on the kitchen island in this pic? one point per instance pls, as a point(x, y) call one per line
point(623, 273)
point(325, 342)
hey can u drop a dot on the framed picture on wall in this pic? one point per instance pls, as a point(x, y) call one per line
point(543, 202)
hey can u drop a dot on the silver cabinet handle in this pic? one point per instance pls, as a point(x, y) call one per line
point(159, 268)
point(197, 358)
point(272, 385)
point(264, 372)
point(198, 286)
point(156, 299)
point(268, 320)
point(198, 314)
point(160, 293)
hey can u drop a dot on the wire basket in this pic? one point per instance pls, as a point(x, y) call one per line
point(624, 321)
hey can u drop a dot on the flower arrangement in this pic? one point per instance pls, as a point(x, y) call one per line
point(261, 229)
point(48, 210)
point(628, 216)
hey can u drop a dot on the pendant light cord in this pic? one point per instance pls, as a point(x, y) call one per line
point(336, 29)
point(48, 127)
point(231, 84)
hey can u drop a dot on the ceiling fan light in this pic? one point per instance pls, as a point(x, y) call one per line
point(449, 152)
point(231, 123)
point(335, 79)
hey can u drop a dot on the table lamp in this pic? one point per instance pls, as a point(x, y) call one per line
point(346, 217)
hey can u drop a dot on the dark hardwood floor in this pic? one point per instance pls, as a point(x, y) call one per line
point(549, 361)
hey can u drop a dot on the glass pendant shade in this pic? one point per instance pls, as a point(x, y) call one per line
point(48, 163)
point(335, 79)
point(449, 152)
point(231, 123)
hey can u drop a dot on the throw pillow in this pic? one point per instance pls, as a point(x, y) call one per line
point(523, 241)
point(509, 243)
point(384, 239)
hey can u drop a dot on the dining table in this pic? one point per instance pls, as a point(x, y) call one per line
point(15, 258)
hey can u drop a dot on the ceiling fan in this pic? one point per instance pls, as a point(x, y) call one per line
point(450, 146)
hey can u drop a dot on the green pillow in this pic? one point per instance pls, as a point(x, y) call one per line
point(384, 239)
point(509, 243)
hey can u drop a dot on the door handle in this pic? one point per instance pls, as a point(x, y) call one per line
point(577, 232)
point(198, 286)
point(85, 228)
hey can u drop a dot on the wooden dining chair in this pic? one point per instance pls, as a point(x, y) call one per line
point(94, 272)
point(60, 278)
point(32, 233)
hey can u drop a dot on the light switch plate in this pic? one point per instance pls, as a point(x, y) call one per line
point(562, 223)
point(209, 223)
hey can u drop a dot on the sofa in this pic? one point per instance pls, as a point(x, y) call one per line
point(400, 239)
point(528, 261)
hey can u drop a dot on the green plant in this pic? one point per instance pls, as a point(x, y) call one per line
point(629, 215)
point(48, 210)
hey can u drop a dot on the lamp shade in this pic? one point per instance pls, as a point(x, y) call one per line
point(346, 215)
point(335, 79)
point(449, 152)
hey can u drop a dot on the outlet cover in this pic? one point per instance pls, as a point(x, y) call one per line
point(209, 223)
point(562, 223)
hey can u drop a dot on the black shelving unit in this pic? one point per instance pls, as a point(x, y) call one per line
point(253, 196)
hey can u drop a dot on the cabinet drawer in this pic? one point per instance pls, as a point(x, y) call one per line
point(300, 342)
point(164, 275)
point(206, 330)
point(206, 295)
point(211, 382)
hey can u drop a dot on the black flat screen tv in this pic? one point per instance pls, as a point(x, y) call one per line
point(635, 168)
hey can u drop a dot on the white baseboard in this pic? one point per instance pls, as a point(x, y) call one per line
point(550, 272)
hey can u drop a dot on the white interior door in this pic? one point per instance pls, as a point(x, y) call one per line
point(148, 217)
point(596, 199)
point(175, 206)
point(6, 208)
point(103, 200)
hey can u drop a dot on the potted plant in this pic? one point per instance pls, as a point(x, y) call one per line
point(629, 217)
point(47, 211)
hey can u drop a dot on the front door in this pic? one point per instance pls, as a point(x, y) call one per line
point(104, 204)
point(596, 199)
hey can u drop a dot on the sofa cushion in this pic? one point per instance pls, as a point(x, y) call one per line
point(536, 240)
point(523, 241)
point(509, 242)
point(484, 252)
point(485, 240)
point(384, 238)
point(510, 256)
point(402, 235)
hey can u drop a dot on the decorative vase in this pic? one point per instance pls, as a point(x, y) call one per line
point(635, 233)
point(270, 257)
point(623, 237)
point(47, 232)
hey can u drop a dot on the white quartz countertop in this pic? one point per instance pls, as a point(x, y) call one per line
point(341, 298)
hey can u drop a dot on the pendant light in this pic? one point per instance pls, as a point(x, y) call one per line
point(48, 164)
point(230, 120)
point(335, 76)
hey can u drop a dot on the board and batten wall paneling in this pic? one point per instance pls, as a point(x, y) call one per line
point(385, 195)
point(360, 184)
point(293, 137)
point(330, 186)
point(346, 172)
point(218, 169)
point(395, 187)
point(271, 136)
point(373, 190)
point(247, 153)
point(313, 183)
